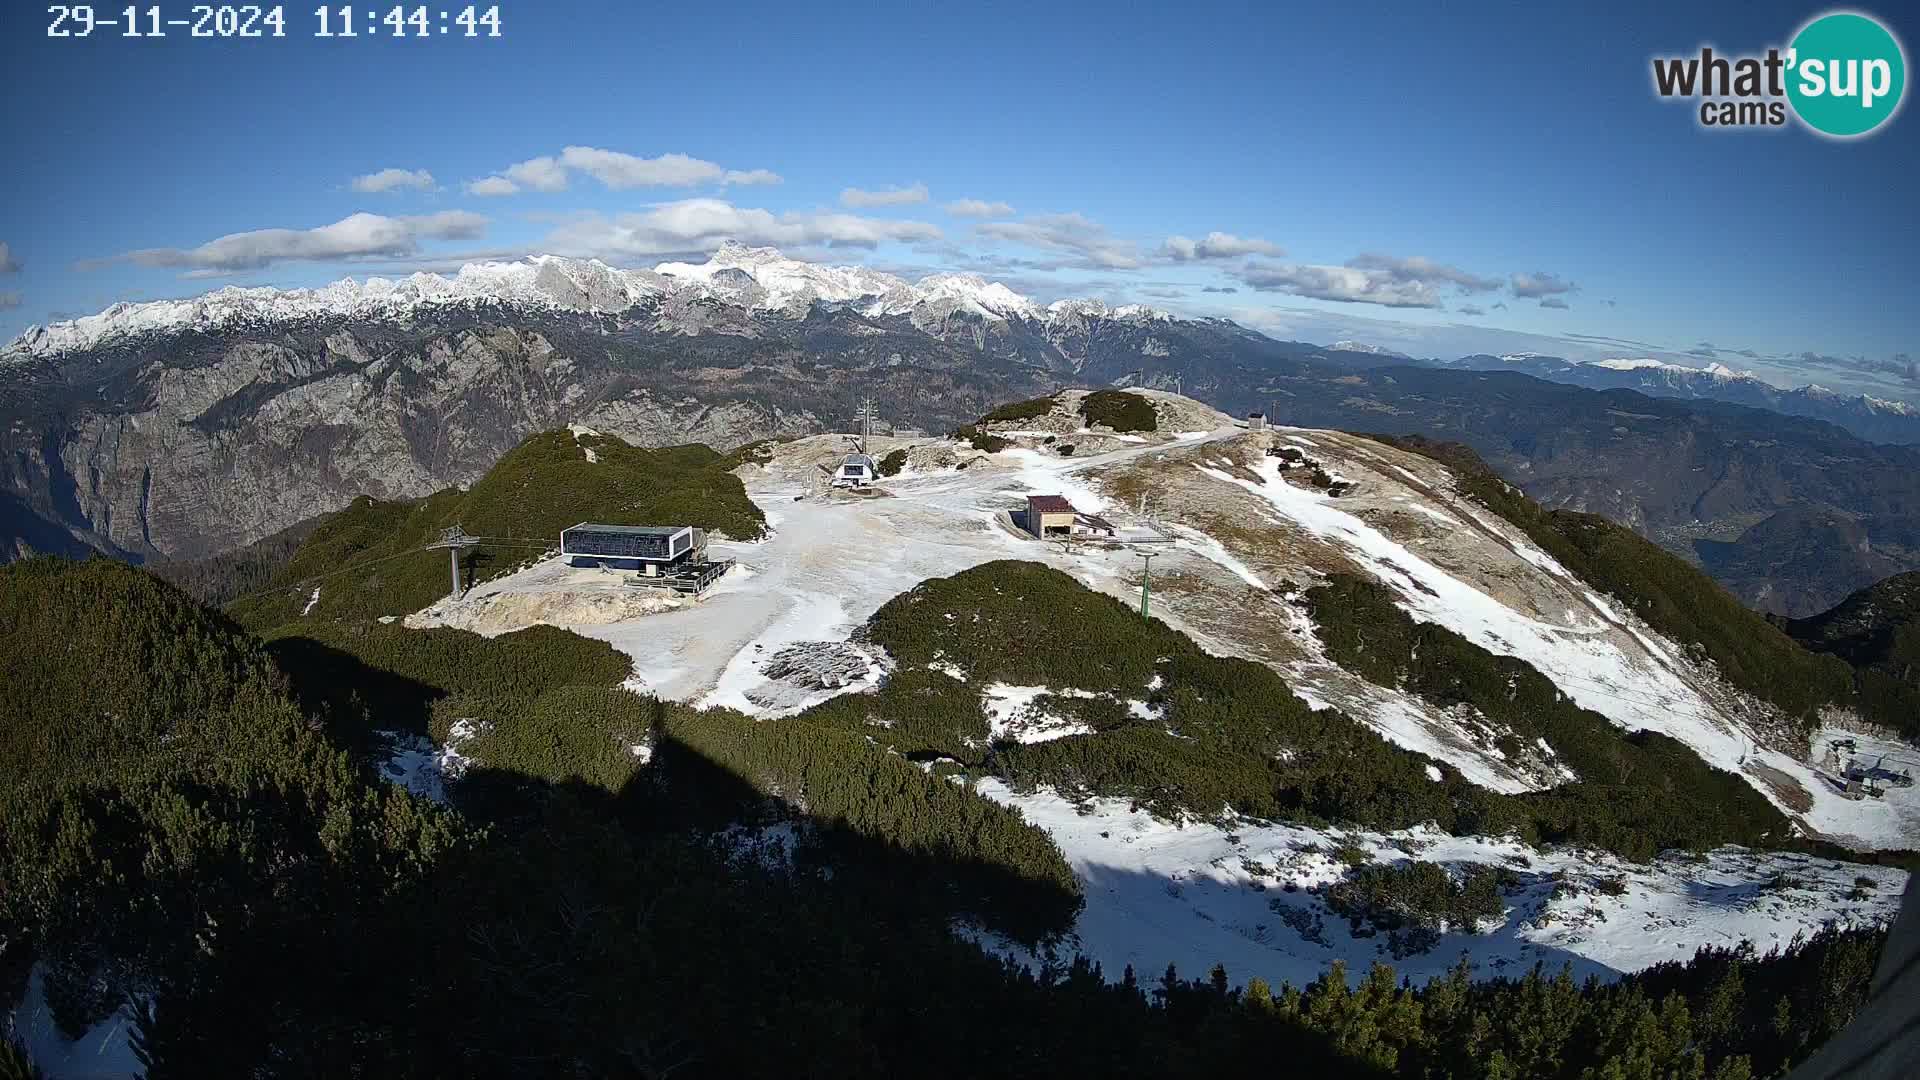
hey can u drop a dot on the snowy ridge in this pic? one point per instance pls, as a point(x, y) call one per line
point(541, 281)
point(759, 279)
point(1714, 370)
point(1898, 408)
point(1595, 651)
point(1363, 347)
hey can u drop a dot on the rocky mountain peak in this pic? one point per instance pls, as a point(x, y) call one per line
point(761, 280)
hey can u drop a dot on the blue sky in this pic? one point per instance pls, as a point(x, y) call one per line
point(1415, 154)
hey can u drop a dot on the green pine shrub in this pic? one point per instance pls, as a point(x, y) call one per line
point(370, 559)
point(1019, 410)
point(1119, 410)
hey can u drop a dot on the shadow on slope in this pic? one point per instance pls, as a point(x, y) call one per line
point(686, 925)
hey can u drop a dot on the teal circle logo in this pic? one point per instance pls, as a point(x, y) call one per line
point(1846, 74)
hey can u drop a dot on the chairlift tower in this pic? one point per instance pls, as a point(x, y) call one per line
point(865, 420)
point(1146, 573)
point(455, 540)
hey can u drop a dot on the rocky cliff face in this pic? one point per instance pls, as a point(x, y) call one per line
point(186, 428)
point(192, 446)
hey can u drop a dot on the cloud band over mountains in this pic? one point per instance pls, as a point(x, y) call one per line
point(355, 237)
point(1001, 240)
point(615, 170)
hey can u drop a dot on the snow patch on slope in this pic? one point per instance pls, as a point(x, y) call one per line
point(1248, 896)
point(103, 1050)
point(1597, 674)
point(1012, 713)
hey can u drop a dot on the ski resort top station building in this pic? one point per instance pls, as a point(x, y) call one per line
point(856, 471)
point(646, 548)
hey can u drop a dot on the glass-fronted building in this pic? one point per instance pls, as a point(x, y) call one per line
point(639, 546)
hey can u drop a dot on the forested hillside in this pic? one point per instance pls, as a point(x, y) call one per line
point(568, 918)
point(1877, 630)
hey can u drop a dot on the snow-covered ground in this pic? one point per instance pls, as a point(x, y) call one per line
point(1598, 655)
point(1199, 895)
point(831, 562)
point(827, 567)
point(1248, 897)
point(102, 1052)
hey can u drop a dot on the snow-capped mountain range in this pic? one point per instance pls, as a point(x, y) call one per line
point(763, 282)
point(1365, 347)
point(758, 279)
point(1715, 370)
point(1873, 418)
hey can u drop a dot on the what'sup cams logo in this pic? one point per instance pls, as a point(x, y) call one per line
point(1844, 75)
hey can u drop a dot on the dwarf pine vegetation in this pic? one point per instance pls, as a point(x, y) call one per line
point(1119, 410)
point(1031, 409)
point(1183, 732)
point(367, 560)
point(981, 439)
point(1635, 793)
point(191, 830)
point(1877, 631)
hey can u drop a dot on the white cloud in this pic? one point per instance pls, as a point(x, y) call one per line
point(1216, 245)
point(493, 186)
point(861, 198)
point(978, 208)
point(538, 174)
point(618, 171)
point(702, 224)
point(358, 236)
point(1386, 280)
point(394, 180)
point(7, 263)
point(1421, 269)
point(1342, 283)
point(623, 172)
point(1088, 241)
point(1541, 284)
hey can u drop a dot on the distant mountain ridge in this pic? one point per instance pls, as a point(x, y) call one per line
point(758, 279)
point(1871, 418)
